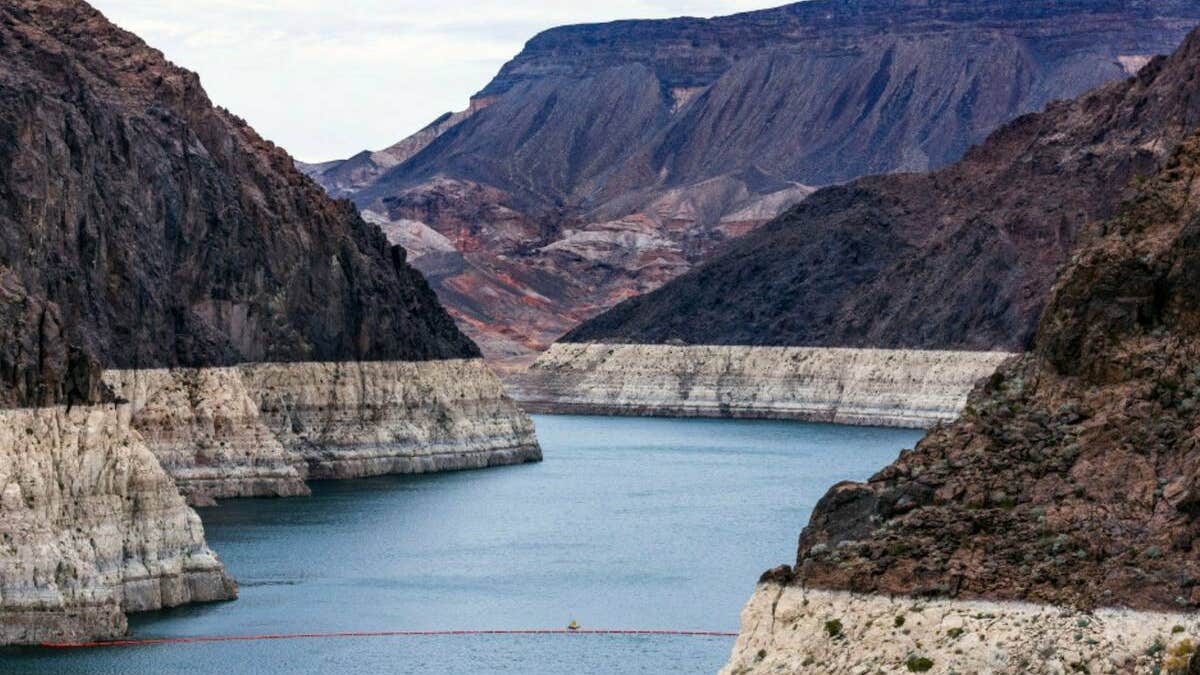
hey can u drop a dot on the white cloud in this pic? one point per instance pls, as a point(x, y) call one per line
point(327, 79)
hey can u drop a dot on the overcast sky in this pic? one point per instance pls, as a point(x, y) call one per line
point(326, 79)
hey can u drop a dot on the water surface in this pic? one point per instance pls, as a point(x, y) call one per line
point(628, 523)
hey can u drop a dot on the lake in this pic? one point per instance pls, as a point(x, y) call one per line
point(629, 523)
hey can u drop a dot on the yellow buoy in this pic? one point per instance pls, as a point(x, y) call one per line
point(574, 625)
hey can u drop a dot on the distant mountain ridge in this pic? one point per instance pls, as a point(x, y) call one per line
point(962, 258)
point(605, 160)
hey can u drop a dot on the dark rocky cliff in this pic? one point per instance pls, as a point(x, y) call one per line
point(140, 226)
point(605, 160)
point(960, 258)
point(1073, 477)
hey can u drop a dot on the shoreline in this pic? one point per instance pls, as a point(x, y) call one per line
point(913, 389)
point(791, 628)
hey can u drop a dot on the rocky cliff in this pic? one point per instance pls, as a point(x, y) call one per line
point(166, 231)
point(1071, 477)
point(207, 430)
point(258, 430)
point(147, 232)
point(161, 232)
point(844, 386)
point(347, 420)
point(91, 528)
point(607, 159)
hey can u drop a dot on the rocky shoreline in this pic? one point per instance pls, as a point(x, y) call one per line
point(787, 628)
point(93, 528)
point(260, 430)
point(870, 387)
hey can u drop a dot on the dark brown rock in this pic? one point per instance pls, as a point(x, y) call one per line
point(1072, 477)
point(154, 229)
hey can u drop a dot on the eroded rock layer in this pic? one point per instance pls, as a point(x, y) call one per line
point(791, 629)
point(845, 386)
point(205, 428)
point(91, 527)
point(258, 430)
point(347, 420)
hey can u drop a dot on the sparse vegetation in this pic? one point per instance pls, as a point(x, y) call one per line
point(833, 627)
point(1179, 657)
point(918, 664)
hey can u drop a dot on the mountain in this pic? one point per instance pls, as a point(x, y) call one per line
point(605, 160)
point(205, 249)
point(1094, 430)
point(962, 258)
point(181, 310)
point(1069, 484)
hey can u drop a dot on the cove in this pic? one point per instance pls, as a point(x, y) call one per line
point(629, 523)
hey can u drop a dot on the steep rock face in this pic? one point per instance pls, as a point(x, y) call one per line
point(204, 426)
point(962, 258)
point(166, 231)
point(258, 430)
point(915, 389)
point(92, 528)
point(1071, 477)
point(699, 130)
point(346, 420)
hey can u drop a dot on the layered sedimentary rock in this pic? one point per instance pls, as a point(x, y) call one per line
point(604, 160)
point(843, 386)
point(258, 430)
point(1072, 478)
point(791, 629)
point(346, 420)
point(91, 528)
point(204, 426)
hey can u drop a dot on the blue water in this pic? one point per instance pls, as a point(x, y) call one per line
point(628, 523)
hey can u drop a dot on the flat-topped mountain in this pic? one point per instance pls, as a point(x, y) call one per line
point(962, 258)
point(607, 159)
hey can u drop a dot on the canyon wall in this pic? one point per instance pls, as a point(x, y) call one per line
point(91, 528)
point(148, 233)
point(347, 420)
point(259, 430)
point(205, 427)
point(902, 388)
